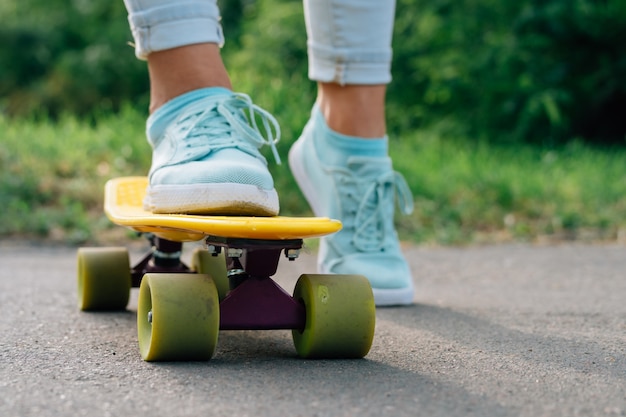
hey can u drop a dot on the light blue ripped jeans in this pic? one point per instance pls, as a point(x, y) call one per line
point(349, 41)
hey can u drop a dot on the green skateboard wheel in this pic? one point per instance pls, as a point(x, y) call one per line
point(103, 279)
point(340, 316)
point(177, 317)
point(215, 266)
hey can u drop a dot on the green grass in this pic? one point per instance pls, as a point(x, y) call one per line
point(467, 192)
point(52, 174)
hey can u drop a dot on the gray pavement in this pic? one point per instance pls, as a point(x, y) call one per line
point(511, 330)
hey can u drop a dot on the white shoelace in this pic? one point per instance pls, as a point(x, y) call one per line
point(372, 225)
point(246, 127)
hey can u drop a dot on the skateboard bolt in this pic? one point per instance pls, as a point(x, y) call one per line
point(235, 272)
point(214, 250)
point(150, 316)
point(292, 254)
point(234, 253)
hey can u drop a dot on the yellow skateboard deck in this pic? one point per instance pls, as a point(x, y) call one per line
point(123, 205)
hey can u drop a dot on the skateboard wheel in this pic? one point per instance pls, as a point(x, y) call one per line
point(215, 266)
point(340, 316)
point(103, 279)
point(177, 317)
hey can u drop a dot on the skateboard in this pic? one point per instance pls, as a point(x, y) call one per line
point(227, 286)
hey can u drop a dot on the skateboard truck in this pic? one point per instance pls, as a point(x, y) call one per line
point(255, 301)
point(163, 257)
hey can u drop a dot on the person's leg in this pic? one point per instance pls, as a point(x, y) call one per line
point(354, 110)
point(205, 142)
point(176, 71)
point(349, 44)
point(341, 160)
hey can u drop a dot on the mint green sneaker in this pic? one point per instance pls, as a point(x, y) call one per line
point(206, 157)
point(362, 194)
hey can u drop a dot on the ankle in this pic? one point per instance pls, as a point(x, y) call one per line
point(338, 148)
point(353, 110)
point(176, 71)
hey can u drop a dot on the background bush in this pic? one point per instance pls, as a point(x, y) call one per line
point(67, 56)
point(538, 71)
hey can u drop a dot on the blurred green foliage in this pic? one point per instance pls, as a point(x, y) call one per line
point(67, 56)
point(538, 71)
point(543, 71)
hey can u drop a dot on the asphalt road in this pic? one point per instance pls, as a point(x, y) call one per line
point(495, 331)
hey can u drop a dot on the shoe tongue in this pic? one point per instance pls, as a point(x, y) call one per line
point(167, 113)
point(367, 166)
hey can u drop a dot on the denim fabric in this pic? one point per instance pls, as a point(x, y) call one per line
point(349, 41)
point(164, 24)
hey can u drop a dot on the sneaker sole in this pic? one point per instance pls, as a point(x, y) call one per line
point(386, 297)
point(222, 199)
point(393, 297)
